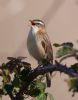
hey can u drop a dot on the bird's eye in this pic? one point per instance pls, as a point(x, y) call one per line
point(39, 25)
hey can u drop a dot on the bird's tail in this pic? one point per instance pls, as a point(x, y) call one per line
point(48, 79)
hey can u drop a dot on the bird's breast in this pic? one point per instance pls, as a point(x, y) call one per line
point(34, 46)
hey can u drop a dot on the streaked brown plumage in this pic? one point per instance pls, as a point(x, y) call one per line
point(39, 45)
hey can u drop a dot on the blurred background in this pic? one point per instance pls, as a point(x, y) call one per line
point(61, 19)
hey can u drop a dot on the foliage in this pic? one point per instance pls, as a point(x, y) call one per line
point(15, 80)
point(14, 76)
point(65, 51)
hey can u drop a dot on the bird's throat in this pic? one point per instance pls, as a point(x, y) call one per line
point(35, 29)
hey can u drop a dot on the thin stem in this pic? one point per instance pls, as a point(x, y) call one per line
point(73, 54)
point(65, 57)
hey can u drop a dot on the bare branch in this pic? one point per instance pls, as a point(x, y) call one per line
point(42, 70)
point(51, 68)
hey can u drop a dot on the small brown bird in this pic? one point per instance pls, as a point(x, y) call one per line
point(39, 45)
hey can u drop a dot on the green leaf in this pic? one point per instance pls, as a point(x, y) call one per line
point(4, 66)
point(6, 72)
point(63, 51)
point(56, 45)
point(6, 79)
point(41, 96)
point(36, 88)
point(33, 90)
point(41, 86)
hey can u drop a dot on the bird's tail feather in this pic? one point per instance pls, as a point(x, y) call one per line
point(48, 79)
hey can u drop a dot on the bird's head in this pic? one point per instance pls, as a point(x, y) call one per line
point(37, 25)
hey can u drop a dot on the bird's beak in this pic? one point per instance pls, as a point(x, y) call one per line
point(32, 22)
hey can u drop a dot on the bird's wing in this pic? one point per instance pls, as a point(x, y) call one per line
point(46, 44)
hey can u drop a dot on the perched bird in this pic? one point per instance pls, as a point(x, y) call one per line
point(39, 45)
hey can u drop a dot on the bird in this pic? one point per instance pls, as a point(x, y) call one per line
point(39, 45)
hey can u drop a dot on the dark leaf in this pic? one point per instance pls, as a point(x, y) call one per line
point(73, 85)
point(16, 63)
point(11, 58)
point(70, 44)
point(4, 66)
point(75, 67)
point(1, 92)
point(16, 82)
point(23, 74)
point(17, 58)
point(26, 65)
point(56, 45)
point(8, 88)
